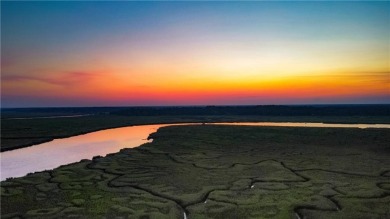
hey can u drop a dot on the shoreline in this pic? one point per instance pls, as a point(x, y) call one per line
point(173, 123)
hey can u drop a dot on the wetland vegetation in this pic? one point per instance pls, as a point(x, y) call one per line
point(216, 171)
point(30, 126)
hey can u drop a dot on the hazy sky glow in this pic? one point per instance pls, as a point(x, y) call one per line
point(194, 53)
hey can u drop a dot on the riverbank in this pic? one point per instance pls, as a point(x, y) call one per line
point(219, 172)
point(23, 133)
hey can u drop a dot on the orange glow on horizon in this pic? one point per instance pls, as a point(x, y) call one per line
point(119, 88)
point(194, 53)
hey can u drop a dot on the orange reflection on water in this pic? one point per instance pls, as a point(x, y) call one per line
point(58, 152)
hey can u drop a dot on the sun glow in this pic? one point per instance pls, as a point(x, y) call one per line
point(272, 53)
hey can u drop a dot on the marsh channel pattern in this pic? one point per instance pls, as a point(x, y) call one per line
point(214, 171)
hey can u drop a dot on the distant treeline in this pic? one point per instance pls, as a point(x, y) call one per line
point(266, 110)
point(276, 110)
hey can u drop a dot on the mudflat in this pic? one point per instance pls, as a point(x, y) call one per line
point(217, 171)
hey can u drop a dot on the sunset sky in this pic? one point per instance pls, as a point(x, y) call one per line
point(194, 53)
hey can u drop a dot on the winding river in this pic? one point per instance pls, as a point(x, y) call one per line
point(58, 152)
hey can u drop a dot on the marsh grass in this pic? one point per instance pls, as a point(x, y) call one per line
point(215, 171)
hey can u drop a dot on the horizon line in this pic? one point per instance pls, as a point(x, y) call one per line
point(222, 105)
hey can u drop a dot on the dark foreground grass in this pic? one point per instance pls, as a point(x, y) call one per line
point(209, 171)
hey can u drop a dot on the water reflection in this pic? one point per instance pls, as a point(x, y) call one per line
point(58, 152)
point(68, 150)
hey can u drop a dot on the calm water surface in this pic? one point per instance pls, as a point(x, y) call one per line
point(47, 117)
point(58, 152)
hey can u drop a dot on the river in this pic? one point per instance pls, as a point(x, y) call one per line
point(58, 152)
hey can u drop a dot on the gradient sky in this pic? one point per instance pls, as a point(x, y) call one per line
point(194, 53)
